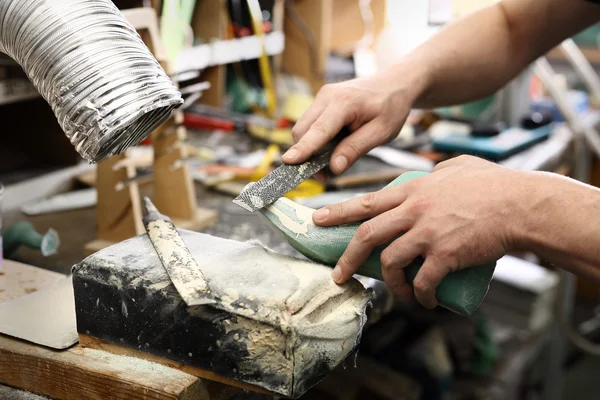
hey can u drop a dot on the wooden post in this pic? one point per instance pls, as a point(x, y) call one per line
point(119, 215)
point(209, 23)
point(118, 212)
point(174, 192)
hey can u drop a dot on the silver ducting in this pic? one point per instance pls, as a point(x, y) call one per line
point(105, 87)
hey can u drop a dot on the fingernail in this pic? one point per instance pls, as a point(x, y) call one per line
point(290, 155)
point(336, 274)
point(340, 163)
point(321, 214)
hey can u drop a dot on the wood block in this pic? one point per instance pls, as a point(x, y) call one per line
point(96, 245)
point(118, 211)
point(299, 55)
point(174, 191)
point(79, 373)
point(348, 28)
point(86, 341)
point(204, 218)
point(209, 22)
point(272, 321)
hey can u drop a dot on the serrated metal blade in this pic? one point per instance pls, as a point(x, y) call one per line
point(280, 181)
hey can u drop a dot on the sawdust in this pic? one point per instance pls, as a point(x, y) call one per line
point(231, 295)
point(286, 313)
point(139, 365)
point(159, 285)
point(266, 345)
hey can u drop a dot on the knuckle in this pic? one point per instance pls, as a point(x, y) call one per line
point(410, 186)
point(427, 231)
point(365, 232)
point(418, 207)
point(368, 201)
point(386, 260)
point(320, 128)
point(327, 89)
point(420, 286)
point(347, 266)
point(302, 146)
point(297, 133)
point(339, 210)
point(442, 165)
point(344, 95)
point(352, 151)
point(465, 159)
point(455, 161)
point(447, 252)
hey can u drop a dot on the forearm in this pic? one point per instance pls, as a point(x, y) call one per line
point(477, 55)
point(559, 220)
point(467, 60)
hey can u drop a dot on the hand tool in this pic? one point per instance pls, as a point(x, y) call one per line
point(195, 121)
point(238, 118)
point(285, 178)
point(176, 257)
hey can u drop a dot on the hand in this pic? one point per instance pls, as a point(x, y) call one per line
point(460, 215)
point(374, 109)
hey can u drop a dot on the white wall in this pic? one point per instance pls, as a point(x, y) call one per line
point(408, 27)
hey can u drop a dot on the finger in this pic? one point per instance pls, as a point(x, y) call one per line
point(364, 139)
point(399, 254)
point(427, 280)
point(308, 118)
point(370, 234)
point(362, 207)
point(321, 176)
point(329, 123)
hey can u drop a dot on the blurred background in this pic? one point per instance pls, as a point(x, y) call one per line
point(246, 78)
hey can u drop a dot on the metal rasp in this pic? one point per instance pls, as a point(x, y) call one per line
point(285, 178)
point(176, 258)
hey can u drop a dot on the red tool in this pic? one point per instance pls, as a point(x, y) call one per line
point(196, 121)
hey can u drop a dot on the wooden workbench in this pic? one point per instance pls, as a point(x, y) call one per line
point(80, 372)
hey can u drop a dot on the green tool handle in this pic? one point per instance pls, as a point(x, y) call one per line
point(24, 234)
point(462, 291)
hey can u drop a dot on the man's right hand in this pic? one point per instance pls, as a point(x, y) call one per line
point(374, 109)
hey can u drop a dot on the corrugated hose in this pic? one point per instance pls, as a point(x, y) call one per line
point(105, 87)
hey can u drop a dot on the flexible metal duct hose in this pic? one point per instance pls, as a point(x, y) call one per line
point(105, 87)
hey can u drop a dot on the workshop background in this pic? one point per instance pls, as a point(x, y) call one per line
point(244, 85)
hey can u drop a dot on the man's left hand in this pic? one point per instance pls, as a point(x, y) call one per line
point(458, 216)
